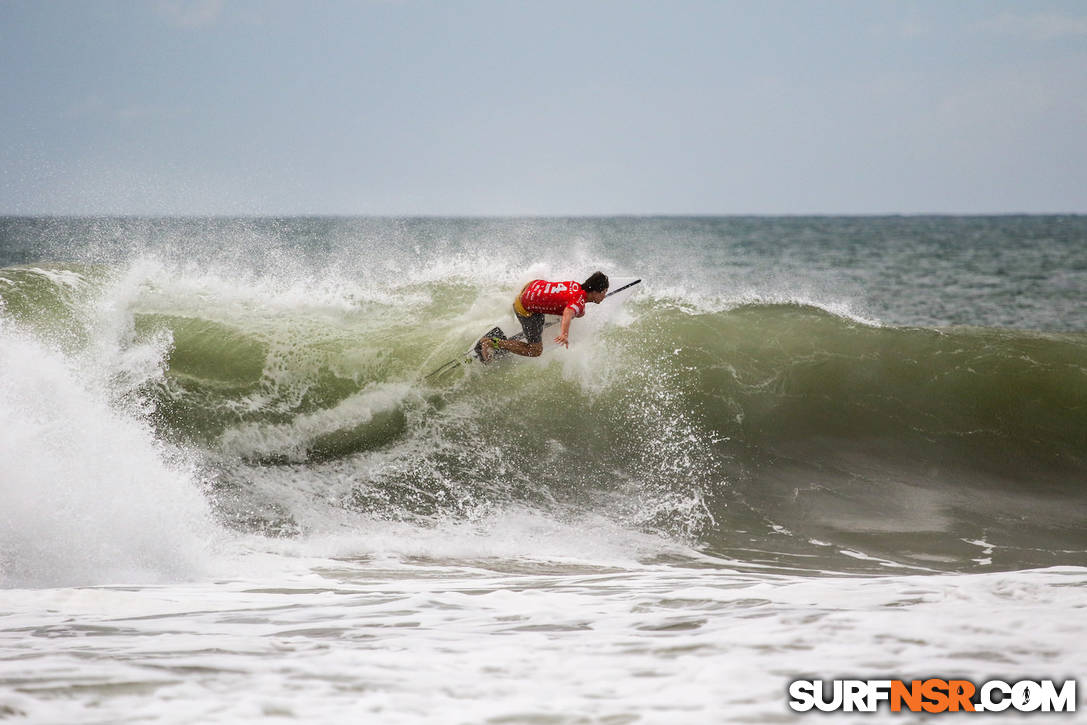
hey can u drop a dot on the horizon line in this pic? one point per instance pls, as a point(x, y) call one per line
point(424, 215)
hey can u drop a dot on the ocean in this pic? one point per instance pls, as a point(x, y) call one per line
point(801, 448)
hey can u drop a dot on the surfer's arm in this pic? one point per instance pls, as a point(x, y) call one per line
point(564, 336)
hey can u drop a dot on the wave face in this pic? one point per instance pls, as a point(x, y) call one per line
point(775, 427)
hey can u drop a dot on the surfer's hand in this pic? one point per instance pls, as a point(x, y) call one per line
point(563, 340)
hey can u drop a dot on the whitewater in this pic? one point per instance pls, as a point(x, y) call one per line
point(801, 448)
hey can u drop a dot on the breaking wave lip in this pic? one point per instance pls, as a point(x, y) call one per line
point(180, 288)
point(695, 303)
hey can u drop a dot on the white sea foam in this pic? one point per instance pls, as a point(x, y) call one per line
point(89, 494)
point(509, 534)
point(408, 640)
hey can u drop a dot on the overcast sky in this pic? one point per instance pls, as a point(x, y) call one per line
point(508, 108)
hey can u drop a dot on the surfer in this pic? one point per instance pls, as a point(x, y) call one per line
point(540, 297)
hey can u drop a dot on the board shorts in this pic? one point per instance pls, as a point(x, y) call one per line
point(533, 326)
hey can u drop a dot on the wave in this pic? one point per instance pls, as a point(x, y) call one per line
point(742, 426)
point(89, 493)
point(786, 378)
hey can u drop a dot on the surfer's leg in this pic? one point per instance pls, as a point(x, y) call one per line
point(533, 326)
point(527, 349)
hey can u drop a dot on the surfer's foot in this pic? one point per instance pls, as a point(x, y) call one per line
point(486, 349)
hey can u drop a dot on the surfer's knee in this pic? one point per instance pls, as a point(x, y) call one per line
point(535, 350)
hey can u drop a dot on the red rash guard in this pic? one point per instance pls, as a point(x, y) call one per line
point(552, 298)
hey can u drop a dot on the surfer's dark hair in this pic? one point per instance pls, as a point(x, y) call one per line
point(597, 282)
